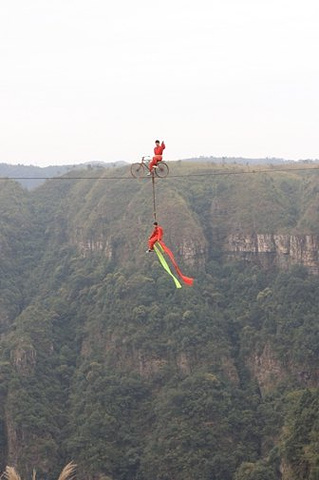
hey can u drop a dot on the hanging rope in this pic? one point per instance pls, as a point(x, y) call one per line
point(154, 198)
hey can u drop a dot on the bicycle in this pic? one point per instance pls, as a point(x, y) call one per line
point(140, 170)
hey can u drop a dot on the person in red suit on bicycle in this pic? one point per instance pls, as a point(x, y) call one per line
point(158, 155)
point(156, 235)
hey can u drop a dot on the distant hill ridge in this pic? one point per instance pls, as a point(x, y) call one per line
point(31, 176)
point(249, 161)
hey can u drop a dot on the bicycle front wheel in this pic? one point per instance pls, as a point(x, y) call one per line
point(138, 170)
point(162, 170)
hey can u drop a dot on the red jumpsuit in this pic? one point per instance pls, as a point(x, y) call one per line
point(158, 151)
point(156, 235)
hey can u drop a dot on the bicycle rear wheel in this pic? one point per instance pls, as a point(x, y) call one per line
point(138, 170)
point(162, 170)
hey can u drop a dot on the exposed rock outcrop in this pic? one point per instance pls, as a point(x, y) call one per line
point(279, 249)
point(24, 357)
point(267, 369)
point(193, 252)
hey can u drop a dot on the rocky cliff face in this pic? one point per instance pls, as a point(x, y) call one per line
point(269, 371)
point(92, 244)
point(266, 249)
point(275, 249)
point(188, 244)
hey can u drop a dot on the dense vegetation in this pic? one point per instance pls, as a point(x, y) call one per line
point(104, 362)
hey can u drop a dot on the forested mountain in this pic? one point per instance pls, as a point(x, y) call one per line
point(104, 362)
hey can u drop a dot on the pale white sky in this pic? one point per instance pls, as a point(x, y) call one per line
point(101, 80)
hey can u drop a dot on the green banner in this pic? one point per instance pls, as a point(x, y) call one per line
point(165, 266)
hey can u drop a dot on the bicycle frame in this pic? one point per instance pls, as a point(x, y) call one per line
point(137, 169)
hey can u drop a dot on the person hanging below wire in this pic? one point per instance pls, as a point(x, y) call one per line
point(158, 155)
point(156, 236)
point(155, 243)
